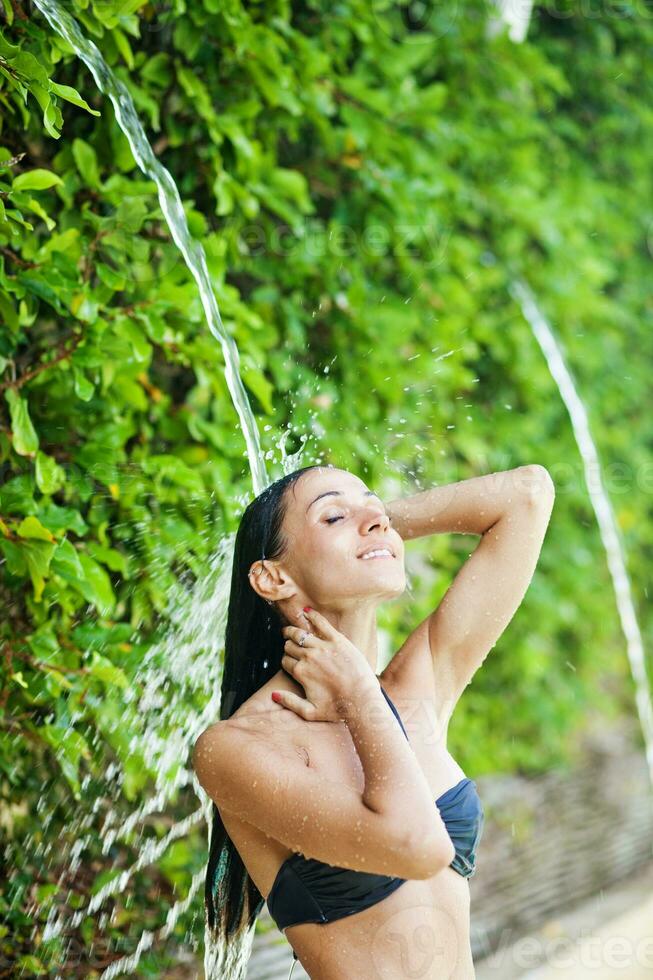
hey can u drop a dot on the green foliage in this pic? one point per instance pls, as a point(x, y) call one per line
point(364, 191)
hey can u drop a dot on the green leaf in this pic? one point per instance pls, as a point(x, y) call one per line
point(31, 527)
point(66, 563)
point(164, 465)
point(107, 672)
point(83, 387)
point(109, 276)
point(32, 964)
point(50, 477)
point(46, 891)
point(15, 215)
point(38, 555)
point(135, 776)
point(52, 120)
point(98, 586)
point(111, 557)
point(16, 495)
point(36, 180)
point(86, 160)
point(69, 747)
point(84, 307)
point(156, 70)
point(133, 332)
point(31, 204)
point(8, 50)
point(44, 643)
point(8, 313)
point(56, 678)
point(14, 556)
point(72, 95)
point(61, 518)
point(123, 46)
point(42, 289)
point(262, 388)
point(25, 439)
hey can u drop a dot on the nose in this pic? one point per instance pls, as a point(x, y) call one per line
point(380, 519)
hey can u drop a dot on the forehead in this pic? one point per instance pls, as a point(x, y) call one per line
point(326, 478)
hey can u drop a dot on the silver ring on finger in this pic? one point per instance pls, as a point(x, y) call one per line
point(303, 639)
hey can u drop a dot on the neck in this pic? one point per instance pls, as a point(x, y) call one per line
point(360, 628)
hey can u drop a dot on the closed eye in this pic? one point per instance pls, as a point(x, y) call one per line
point(340, 517)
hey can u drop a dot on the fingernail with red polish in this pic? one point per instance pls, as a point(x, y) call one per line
point(276, 696)
point(307, 609)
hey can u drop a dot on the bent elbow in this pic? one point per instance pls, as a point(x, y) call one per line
point(538, 484)
point(432, 855)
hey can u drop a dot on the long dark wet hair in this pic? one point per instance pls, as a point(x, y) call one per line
point(254, 646)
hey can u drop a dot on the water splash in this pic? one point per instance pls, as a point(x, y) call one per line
point(188, 661)
point(186, 666)
point(127, 964)
point(608, 527)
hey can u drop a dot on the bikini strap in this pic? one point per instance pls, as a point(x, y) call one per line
point(394, 710)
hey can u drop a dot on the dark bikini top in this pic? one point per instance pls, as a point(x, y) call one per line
point(307, 890)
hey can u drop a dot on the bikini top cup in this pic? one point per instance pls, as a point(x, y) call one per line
point(307, 890)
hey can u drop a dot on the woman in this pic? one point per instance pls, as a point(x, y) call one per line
point(335, 795)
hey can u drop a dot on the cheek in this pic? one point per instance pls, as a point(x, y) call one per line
point(327, 556)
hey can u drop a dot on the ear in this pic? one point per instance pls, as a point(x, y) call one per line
point(269, 582)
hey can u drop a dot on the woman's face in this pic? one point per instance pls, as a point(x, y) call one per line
point(331, 519)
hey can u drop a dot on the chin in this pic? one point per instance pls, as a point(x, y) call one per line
point(395, 593)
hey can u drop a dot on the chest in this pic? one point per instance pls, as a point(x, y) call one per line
point(329, 749)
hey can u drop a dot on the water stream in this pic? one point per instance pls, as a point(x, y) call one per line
point(192, 646)
point(196, 636)
point(608, 526)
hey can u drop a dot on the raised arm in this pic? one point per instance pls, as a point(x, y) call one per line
point(511, 512)
point(489, 588)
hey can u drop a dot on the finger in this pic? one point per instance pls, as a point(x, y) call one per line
point(297, 650)
point(305, 709)
point(319, 624)
point(289, 663)
point(296, 633)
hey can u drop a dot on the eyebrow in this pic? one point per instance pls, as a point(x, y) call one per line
point(338, 493)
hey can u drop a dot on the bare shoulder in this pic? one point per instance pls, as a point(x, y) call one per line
point(207, 748)
point(252, 724)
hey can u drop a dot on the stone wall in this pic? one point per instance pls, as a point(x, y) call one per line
point(555, 839)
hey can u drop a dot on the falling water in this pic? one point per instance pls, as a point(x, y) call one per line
point(601, 503)
point(187, 662)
